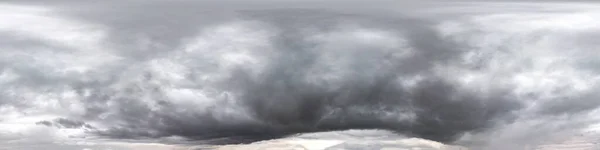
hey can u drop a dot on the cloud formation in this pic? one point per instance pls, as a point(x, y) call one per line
point(248, 73)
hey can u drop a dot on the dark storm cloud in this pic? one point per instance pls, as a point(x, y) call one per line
point(280, 102)
point(312, 69)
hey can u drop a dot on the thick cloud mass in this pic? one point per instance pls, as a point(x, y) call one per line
point(154, 70)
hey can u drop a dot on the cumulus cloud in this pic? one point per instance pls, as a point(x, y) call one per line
point(244, 74)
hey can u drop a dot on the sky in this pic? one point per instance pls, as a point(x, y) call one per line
point(133, 74)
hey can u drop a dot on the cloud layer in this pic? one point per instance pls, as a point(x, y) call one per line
point(248, 73)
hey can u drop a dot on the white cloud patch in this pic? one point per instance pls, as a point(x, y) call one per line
point(537, 54)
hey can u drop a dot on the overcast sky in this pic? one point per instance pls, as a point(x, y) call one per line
point(169, 74)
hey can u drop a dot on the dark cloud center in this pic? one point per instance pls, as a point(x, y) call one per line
point(280, 102)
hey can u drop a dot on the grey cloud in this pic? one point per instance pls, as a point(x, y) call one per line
point(281, 103)
point(279, 71)
point(65, 123)
point(571, 105)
